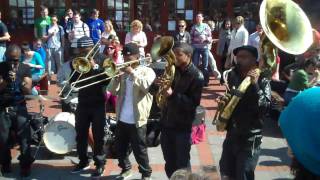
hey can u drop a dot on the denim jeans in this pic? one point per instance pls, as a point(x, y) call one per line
point(204, 52)
point(16, 120)
point(2, 51)
point(176, 148)
point(129, 134)
point(239, 157)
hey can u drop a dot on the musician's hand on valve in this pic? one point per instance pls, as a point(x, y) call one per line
point(128, 69)
point(168, 92)
point(254, 74)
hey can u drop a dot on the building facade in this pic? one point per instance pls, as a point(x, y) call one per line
point(162, 15)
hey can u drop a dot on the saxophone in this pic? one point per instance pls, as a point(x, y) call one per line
point(286, 27)
point(162, 48)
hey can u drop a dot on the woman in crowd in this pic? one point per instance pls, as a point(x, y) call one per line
point(211, 61)
point(224, 41)
point(182, 35)
point(113, 51)
point(34, 60)
point(108, 30)
point(136, 35)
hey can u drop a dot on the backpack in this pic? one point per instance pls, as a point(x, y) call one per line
point(84, 31)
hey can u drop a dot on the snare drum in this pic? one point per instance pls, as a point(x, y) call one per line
point(60, 134)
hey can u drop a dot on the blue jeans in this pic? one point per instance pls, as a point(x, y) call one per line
point(204, 52)
point(176, 148)
point(2, 51)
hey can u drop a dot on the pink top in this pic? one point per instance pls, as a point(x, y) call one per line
point(139, 38)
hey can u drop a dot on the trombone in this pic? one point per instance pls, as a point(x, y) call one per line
point(112, 70)
point(81, 65)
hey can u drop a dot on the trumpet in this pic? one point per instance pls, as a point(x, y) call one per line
point(111, 70)
point(82, 66)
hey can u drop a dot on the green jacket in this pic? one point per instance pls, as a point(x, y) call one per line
point(299, 81)
point(143, 77)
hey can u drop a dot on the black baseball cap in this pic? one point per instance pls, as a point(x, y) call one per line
point(130, 49)
point(247, 48)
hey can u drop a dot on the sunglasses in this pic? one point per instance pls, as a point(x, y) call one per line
point(181, 25)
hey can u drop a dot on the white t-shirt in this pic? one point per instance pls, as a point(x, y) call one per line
point(126, 114)
point(139, 38)
point(54, 41)
point(78, 32)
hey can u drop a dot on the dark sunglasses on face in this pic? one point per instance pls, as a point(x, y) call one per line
point(181, 25)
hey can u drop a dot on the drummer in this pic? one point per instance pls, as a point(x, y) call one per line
point(90, 110)
point(15, 82)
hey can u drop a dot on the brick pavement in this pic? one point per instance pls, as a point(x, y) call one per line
point(273, 162)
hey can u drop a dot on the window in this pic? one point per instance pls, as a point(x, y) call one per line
point(180, 10)
point(55, 7)
point(21, 13)
point(148, 11)
point(84, 7)
point(119, 13)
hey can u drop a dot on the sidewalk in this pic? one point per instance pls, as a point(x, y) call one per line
point(273, 162)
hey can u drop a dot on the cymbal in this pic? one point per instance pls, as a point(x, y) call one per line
point(40, 97)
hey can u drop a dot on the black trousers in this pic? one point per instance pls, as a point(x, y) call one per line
point(239, 157)
point(86, 115)
point(129, 134)
point(176, 148)
point(17, 120)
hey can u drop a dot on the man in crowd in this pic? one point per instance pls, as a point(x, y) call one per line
point(78, 30)
point(41, 24)
point(241, 147)
point(254, 38)
point(90, 110)
point(15, 82)
point(133, 108)
point(239, 37)
point(4, 37)
point(96, 26)
point(200, 40)
point(183, 97)
point(55, 44)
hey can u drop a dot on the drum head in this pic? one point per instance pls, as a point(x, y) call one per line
point(60, 134)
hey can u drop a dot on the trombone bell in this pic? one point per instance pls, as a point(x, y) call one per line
point(81, 65)
point(286, 25)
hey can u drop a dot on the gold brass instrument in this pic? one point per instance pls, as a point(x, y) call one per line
point(286, 27)
point(162, 48)
point(112, 70)
point(81, 65)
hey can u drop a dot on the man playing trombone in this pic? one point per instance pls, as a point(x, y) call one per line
point(91, 107)
point(133, 108)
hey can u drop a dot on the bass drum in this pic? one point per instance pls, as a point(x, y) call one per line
point(60, 134)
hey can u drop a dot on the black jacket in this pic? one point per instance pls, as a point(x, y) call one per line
point(247, 118)
point(92, 95)
point(181, 105)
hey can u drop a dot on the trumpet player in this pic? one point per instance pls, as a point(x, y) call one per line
point(15, 82)
point(90, 110)
point(241, 147)
point(132, 109)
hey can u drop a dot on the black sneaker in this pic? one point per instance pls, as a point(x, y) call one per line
point(6, 168)
point(80, 167)
point(125, 174)
point(98, 172)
